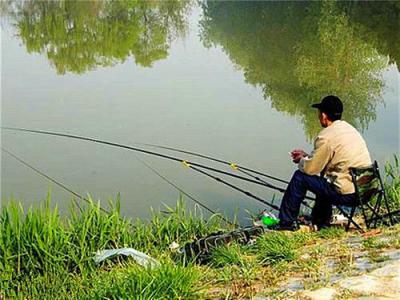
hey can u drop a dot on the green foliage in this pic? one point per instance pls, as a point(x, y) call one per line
point(78, 36)
point(43, 255)
point(275, 247)
point(392, 182)
point(331, 233)
point(228, 255)
point(133, 282)
point(372, 243)
point(177, 224)
point(297, 52)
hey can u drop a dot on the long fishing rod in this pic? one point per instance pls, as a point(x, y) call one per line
point(146, 152)
point(234, 166)
point(64, 187)
point(263, 183)
point(247, 193)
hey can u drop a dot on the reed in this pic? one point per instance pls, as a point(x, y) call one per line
point(43, 254)
point(392, 182)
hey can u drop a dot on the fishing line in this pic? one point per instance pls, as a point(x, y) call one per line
point(192, 164)
point(247, 193)
point(58, 183)
point(232, 165)
point(64, 187)
point(146, 152)
point(184, 193)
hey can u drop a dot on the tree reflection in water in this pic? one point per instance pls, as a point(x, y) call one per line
point(78, 36)
point(297, 52)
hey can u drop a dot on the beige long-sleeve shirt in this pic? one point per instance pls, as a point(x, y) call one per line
point(337, 148)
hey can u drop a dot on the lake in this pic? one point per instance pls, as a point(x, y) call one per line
point(234, 80)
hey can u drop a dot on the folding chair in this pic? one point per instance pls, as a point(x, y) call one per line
point(370, 192)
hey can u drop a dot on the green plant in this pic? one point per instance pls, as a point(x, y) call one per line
point(43, 255)
point(373, 243)
point(169, 281)
point(331, 233)
point(392, 182)
point(227, 255)
point(275, 247)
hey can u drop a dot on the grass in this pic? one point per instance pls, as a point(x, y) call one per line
point(46, 256)
point(392, 182)
point(228, 255)
point(276, 247)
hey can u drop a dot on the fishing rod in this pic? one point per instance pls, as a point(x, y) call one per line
point(154, 154)
point(263, 183)
point(64, 187)
point(185, 162)
point(247, 193)
point(234, 166)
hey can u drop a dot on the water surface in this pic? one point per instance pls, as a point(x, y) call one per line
point(230, 79)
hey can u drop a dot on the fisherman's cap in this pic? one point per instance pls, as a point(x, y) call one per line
point(330, 104)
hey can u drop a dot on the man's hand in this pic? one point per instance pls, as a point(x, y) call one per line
point(297, 154)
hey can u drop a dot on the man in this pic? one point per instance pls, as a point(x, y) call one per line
point(325, 172)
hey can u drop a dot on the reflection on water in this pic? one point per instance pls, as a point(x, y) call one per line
point(78, 36)
point(193, 97)
point(299, 51)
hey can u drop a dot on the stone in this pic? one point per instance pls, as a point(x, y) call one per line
point(390, 270)
point(363, 284)
point(320, 294)
point(382, 283)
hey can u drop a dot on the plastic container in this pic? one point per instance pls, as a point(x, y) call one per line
point(269, 220)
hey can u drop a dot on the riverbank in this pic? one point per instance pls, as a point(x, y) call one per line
point(47, 256)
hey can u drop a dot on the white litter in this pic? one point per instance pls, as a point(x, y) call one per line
point(141, 258)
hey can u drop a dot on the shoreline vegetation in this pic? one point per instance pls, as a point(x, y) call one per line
point(47, 256)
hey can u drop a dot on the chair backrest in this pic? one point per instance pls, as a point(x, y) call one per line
point(367, 182)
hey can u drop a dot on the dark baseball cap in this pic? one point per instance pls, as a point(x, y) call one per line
point(330, 104)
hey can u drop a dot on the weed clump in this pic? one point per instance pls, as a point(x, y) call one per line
point(275, 247)
point(331, 233)
point(43, 255)
point(227, 255)
point(169, 281)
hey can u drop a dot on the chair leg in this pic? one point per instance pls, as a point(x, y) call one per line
point(384, 194)
point(350, 218)
point(365, 216)
point(392, 222)
point(375, 217)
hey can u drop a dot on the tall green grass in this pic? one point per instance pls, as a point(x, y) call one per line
point(276, 247)
point(47, 256)
point(232, 254)
point(392, 182)
point(42, 253)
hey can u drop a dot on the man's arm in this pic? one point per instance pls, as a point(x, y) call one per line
point(314, 163)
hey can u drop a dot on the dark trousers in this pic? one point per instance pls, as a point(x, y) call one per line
point(326, 196)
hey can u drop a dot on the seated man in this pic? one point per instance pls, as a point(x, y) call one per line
point(325, 172)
